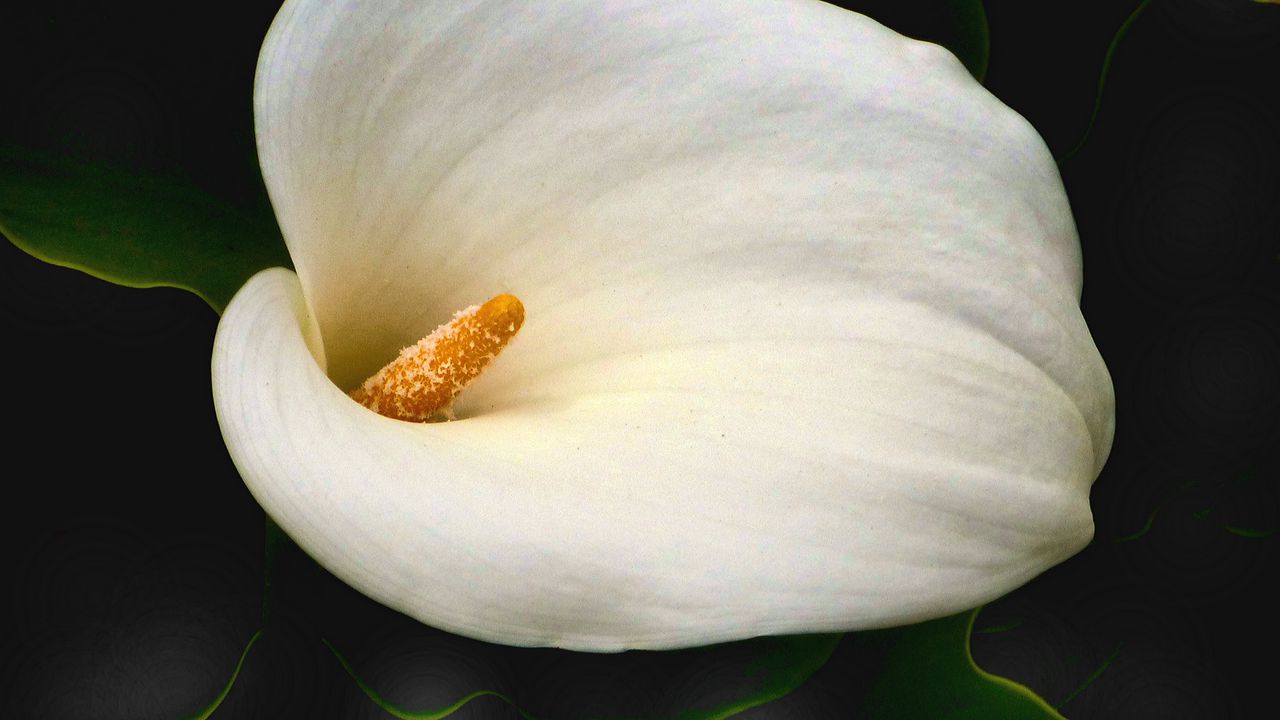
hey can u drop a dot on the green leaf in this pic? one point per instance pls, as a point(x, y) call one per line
point(766, 668)
point(1102, 77)
point(958, 25)
point(928, 673)
point(969, 37)
point(127, 147)
point(921, 671)
point(206, 712)
point(131, 228)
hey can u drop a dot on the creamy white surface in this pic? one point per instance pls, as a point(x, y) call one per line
point(803, 349)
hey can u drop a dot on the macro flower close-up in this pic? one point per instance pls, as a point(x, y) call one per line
point(803, 350)
point(571, 359)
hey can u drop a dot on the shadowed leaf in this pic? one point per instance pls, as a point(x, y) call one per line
point(1102, 77)
point(133, 229)
point(208, 710)
point(928, 673)
point(958, 25)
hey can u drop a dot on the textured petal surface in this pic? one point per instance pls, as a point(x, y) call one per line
point(802, 353)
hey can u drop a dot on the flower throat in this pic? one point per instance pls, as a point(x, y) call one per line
point(422, 382)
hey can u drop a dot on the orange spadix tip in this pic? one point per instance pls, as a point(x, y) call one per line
point(423, 381)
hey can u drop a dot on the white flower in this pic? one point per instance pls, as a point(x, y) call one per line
point(803, 349)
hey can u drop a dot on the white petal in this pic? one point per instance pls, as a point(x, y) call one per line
point(661, 516)
point(802, 349)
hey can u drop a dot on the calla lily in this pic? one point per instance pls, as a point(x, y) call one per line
point(803, 349)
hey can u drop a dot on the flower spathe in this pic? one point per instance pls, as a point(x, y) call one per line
point(803, 349)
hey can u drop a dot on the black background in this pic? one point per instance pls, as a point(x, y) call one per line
point(133, 555)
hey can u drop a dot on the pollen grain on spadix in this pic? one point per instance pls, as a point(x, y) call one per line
point(423, 381)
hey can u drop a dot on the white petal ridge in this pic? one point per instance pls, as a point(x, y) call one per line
point(803, 350)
